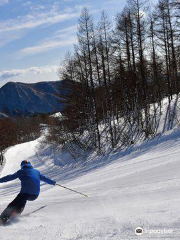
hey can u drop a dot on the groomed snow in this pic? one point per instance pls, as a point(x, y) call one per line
point(136, 188)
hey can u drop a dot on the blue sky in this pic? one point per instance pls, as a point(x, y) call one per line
point(35, 35)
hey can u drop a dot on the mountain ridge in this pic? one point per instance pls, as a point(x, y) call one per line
point(17, 98)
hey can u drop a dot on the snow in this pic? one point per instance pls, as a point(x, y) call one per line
point(139, 187)
point(136, 187)
point(162, 119)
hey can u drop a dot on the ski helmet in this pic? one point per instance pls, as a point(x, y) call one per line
point(24, 163)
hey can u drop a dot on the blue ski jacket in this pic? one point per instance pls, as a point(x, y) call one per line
point(30, 179)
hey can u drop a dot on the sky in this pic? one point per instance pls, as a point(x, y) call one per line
point(36, 35)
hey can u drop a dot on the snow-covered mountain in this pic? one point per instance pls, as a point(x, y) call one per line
point(27, 99)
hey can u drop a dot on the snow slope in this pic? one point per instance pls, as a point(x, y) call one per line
point(136, 188)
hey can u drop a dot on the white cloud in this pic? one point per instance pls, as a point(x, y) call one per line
point(8, 37)
point(8, 74)
point(30, 21)
point(3, 2)
point(37, 19)
point(44, 47)
point(39, 16)
point(15, 73)
point(63, 37)
point(68, 30)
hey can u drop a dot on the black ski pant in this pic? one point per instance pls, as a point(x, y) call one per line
point(17, 205)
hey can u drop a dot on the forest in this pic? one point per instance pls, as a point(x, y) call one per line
point(119, 74)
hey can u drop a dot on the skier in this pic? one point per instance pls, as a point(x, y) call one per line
point(30, 188)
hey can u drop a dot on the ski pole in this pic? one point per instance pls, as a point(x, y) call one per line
point(71, 190)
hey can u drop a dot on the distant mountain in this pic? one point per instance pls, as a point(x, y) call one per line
point(28, 99)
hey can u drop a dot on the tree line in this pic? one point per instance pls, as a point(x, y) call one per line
point(19, 130)
point(119, 73)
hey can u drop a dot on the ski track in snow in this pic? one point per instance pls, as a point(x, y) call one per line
point(139, 189)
